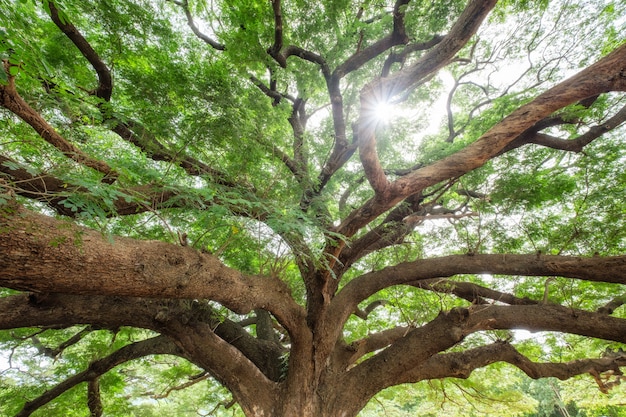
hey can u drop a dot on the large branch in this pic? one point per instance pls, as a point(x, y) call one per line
point(245, 365)
point(599, 269)
point(53, 191)
point(347, 355)
point(548, 317)
point(570, 145)
point(398, 36)
point(384, 89)
point(154, 346)
point(441, 54)
point(473, 293)
point(342, 149)
point(53, 310)
point(608, 74)
point(462, 364)
point(42, 254)
point(229, 366)
point(408, 354)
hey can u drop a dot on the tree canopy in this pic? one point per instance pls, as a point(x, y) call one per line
point(289, 208)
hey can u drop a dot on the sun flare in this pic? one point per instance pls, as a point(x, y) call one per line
point(384, 112)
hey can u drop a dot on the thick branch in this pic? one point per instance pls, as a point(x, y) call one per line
point(473, 293)
point(391, 231)
point(233, 369)
point(385, 88)
point(599, 269)
point(274, 50)
point(413, 348)
point(50, 310)
point(414, 356)
point(397, 37)
point(156, 345)
point(608, 74)
point(441, 54)
point(462, 364)
point(548, 317)
point(571, 145)
point(347, 355)
point(94, 402)
point(42, 254)
point(53, 191)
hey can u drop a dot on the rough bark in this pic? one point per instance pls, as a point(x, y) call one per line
point(71, 275)
point(311, 385)
point(41, 254)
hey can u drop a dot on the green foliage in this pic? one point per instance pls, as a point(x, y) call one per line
point(189, 102)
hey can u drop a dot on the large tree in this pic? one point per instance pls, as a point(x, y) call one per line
point(311, 201)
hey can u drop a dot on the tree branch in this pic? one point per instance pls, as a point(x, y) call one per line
point(154, 346)
point(414, 356)
point(548, 317)
point(603, 76)
point(194, 28)
point(105, 81)
point(192, 381)
point(383, 89)
point(228, 365)
point(12, 101)
point(473, 293)
point(53, 191)
point(615, 303)
point(274, 50)
point(598, 269)
point(128, 267)
point(164, 316)
point(462, 364)
point(570, 145)
point(145, 141)
point(398, 36)
point(94, 402)
point(347, 355)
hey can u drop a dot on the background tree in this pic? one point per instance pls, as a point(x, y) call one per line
point(306, 202)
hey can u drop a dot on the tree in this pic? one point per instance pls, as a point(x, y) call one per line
point(215, 182)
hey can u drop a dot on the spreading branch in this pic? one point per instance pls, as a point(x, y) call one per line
point(462, 364)
point(598, 269)
point(603, 76)
point(570, 145)
point(129, 268)
point(12, 101)
point(154, 346)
